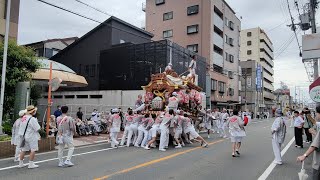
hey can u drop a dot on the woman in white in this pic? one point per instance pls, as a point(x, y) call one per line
point(115, 122)
point(188, 128)
point(142, 132)
point(236, 131)
point(154, 131)
point(137, 117)
point(29, 129)
point(278, 131)
point(66, 130)
point(128, 119)
point(15, 139)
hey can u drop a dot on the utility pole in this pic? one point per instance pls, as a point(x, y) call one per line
point(4, 63)
point(313, 4)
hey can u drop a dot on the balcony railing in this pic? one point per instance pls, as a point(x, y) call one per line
point(217, 21)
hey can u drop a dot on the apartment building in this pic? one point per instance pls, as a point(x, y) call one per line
point(257, 46)
point(14, 18)
point(210, 29)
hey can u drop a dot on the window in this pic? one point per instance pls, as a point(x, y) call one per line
point(159, 2)
point(167, 16)
point(222, 87)
point(54, 51)
point(193, 10)
point(231, 92)
point(230, 41)
point(213, 85)
point(82, 96)
point(58, 97)
point(231, 58)
point(227, 56)
point(193, 48)
point(231, 25)
point(249, 43)
point(122, 41)
point(93, 70)
point(48, 53)
point(230, 74)
point(69, 96)
point(249, 52)
point(249, 34)
point(226, 21)
point(167, 33)
point(226, 39)
point(95, 96)
point(193, 29)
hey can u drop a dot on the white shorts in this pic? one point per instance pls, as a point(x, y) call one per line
point(177, 133)
point(153, 131)
point(235, 139)
point(192, 132)
point(31, 145)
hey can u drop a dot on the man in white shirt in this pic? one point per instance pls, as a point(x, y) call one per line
point(298, 129)
point(29, 128)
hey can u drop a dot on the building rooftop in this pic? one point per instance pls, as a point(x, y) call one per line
point(63, 40)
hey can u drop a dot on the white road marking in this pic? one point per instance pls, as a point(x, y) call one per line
point(55, 151)
point(53, 159)
point(268, 171)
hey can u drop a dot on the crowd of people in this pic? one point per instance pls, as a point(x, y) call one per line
point(139, 129)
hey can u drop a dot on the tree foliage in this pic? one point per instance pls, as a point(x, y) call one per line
point(21, 62)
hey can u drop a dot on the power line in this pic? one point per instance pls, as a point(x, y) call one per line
point(99, 10)
point(293, 26)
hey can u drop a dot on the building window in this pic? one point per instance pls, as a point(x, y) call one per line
point(230, 74)
point(249, 43)
point(167, 16)
point(95, 96)
point(227, 56)
point(159, 2)
point(249, 34)
point(193, 10)
point(82, 96)
point(193, 48)
point(226, 39)
point(213, 85)
point(167, 33)
point(231, 58)
point(193, 29)
point(231, 25)
point(48, 53)
point(249, 52)
point(230, 41)
point(222, 87)
point(226, 22)
point(231, 92)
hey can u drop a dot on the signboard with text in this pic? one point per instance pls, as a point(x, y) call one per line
point(315, 94)
point(259, 78)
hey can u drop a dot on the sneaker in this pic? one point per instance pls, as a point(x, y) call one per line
point(146, 148)
point(32, 165)
point(166, 147)
point(205, 146)
point(276, 162)
point(61, 164)
point(21, 164)
point(182, 144)
point(208, 136)
point(162, 150)
point(308, 142)
point(68, 163)
point(178, 147)
point(136, 146)
point(17, 159)
point(142, 146)
point(153, 146)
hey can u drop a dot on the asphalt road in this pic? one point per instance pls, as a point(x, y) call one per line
point(191, 162)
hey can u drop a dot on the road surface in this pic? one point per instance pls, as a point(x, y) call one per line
point(192, 162)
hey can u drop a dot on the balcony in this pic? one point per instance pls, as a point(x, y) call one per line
point(268, 86)
point(265, 47)
point(266, 58)
point(217, 21)
point(267, 67)
point(268, 95)
point(266, 40)
point(267, 76)
point(217, 59)
point(217, 40)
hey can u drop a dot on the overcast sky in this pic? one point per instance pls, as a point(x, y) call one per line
point(39, 21)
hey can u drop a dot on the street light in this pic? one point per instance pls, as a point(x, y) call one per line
point(4, 62)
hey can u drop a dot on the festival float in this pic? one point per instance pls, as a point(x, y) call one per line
point(169, 90)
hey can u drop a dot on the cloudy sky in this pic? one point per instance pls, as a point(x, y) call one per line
point(39, 21)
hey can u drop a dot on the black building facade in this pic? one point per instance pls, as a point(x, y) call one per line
point(133, 64)
point(83, 56)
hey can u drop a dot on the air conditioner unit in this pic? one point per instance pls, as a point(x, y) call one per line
point(230, 75)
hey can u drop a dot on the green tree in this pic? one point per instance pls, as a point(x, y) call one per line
point(21, 62)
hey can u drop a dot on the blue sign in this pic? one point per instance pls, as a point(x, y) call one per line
point(259, 77)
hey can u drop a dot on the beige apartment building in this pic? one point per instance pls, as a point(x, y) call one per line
point(209, 28)
point(14, 18)
point(256, 46)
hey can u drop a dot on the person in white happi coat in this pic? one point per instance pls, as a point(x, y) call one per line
point(154, 131)
point(15, 139)
point(192, 69)
point(278, 131)
point(178, 121)
point(66, 129)
point(224, 123)
point(133, 130)
point(237, 132)
point(29, 128)
point(128, 120)
point(216, 122)
point(188, 128)
point(142, 131)
point(208, 120)
point(164, 127)
point(115, 124)
point(173, 102)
